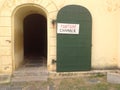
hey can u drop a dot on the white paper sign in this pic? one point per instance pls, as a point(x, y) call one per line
point(66, 28)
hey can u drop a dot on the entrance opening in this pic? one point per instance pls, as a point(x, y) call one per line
point(35, 39)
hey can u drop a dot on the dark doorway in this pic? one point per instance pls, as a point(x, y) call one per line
point(35, 37)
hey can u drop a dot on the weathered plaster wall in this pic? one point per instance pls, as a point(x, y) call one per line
point(18, 39)
point(105, 30)
point(105, 34)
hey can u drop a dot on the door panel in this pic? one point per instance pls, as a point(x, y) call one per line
point(74, 50)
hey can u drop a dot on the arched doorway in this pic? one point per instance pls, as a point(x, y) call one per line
point(35, 38)
point(29, 35)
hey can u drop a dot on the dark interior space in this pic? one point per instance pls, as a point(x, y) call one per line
point(35, 36)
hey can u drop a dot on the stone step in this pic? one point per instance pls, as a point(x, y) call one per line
point(30, 71)
point(31, 74)
point(23, 68)
point(29, 78)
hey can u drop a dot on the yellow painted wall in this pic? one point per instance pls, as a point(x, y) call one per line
point(18, 39)
point(118, 25)
point(105, 31)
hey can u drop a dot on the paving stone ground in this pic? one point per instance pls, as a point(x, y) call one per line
point(97, 80)
point(30, 76)
point(23, 86)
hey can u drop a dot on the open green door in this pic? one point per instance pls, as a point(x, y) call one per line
point(74, 35)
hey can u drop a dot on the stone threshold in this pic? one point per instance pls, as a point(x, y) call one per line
point(56, 75)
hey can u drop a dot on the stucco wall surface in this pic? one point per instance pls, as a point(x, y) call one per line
point(105, 30)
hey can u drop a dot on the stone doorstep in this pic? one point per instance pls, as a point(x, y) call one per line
point(5, 78)
point(39, 76)
point(55, 75)
point(31, 74)
point(29, 78)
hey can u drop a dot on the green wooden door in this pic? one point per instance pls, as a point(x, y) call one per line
point(74, 49)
